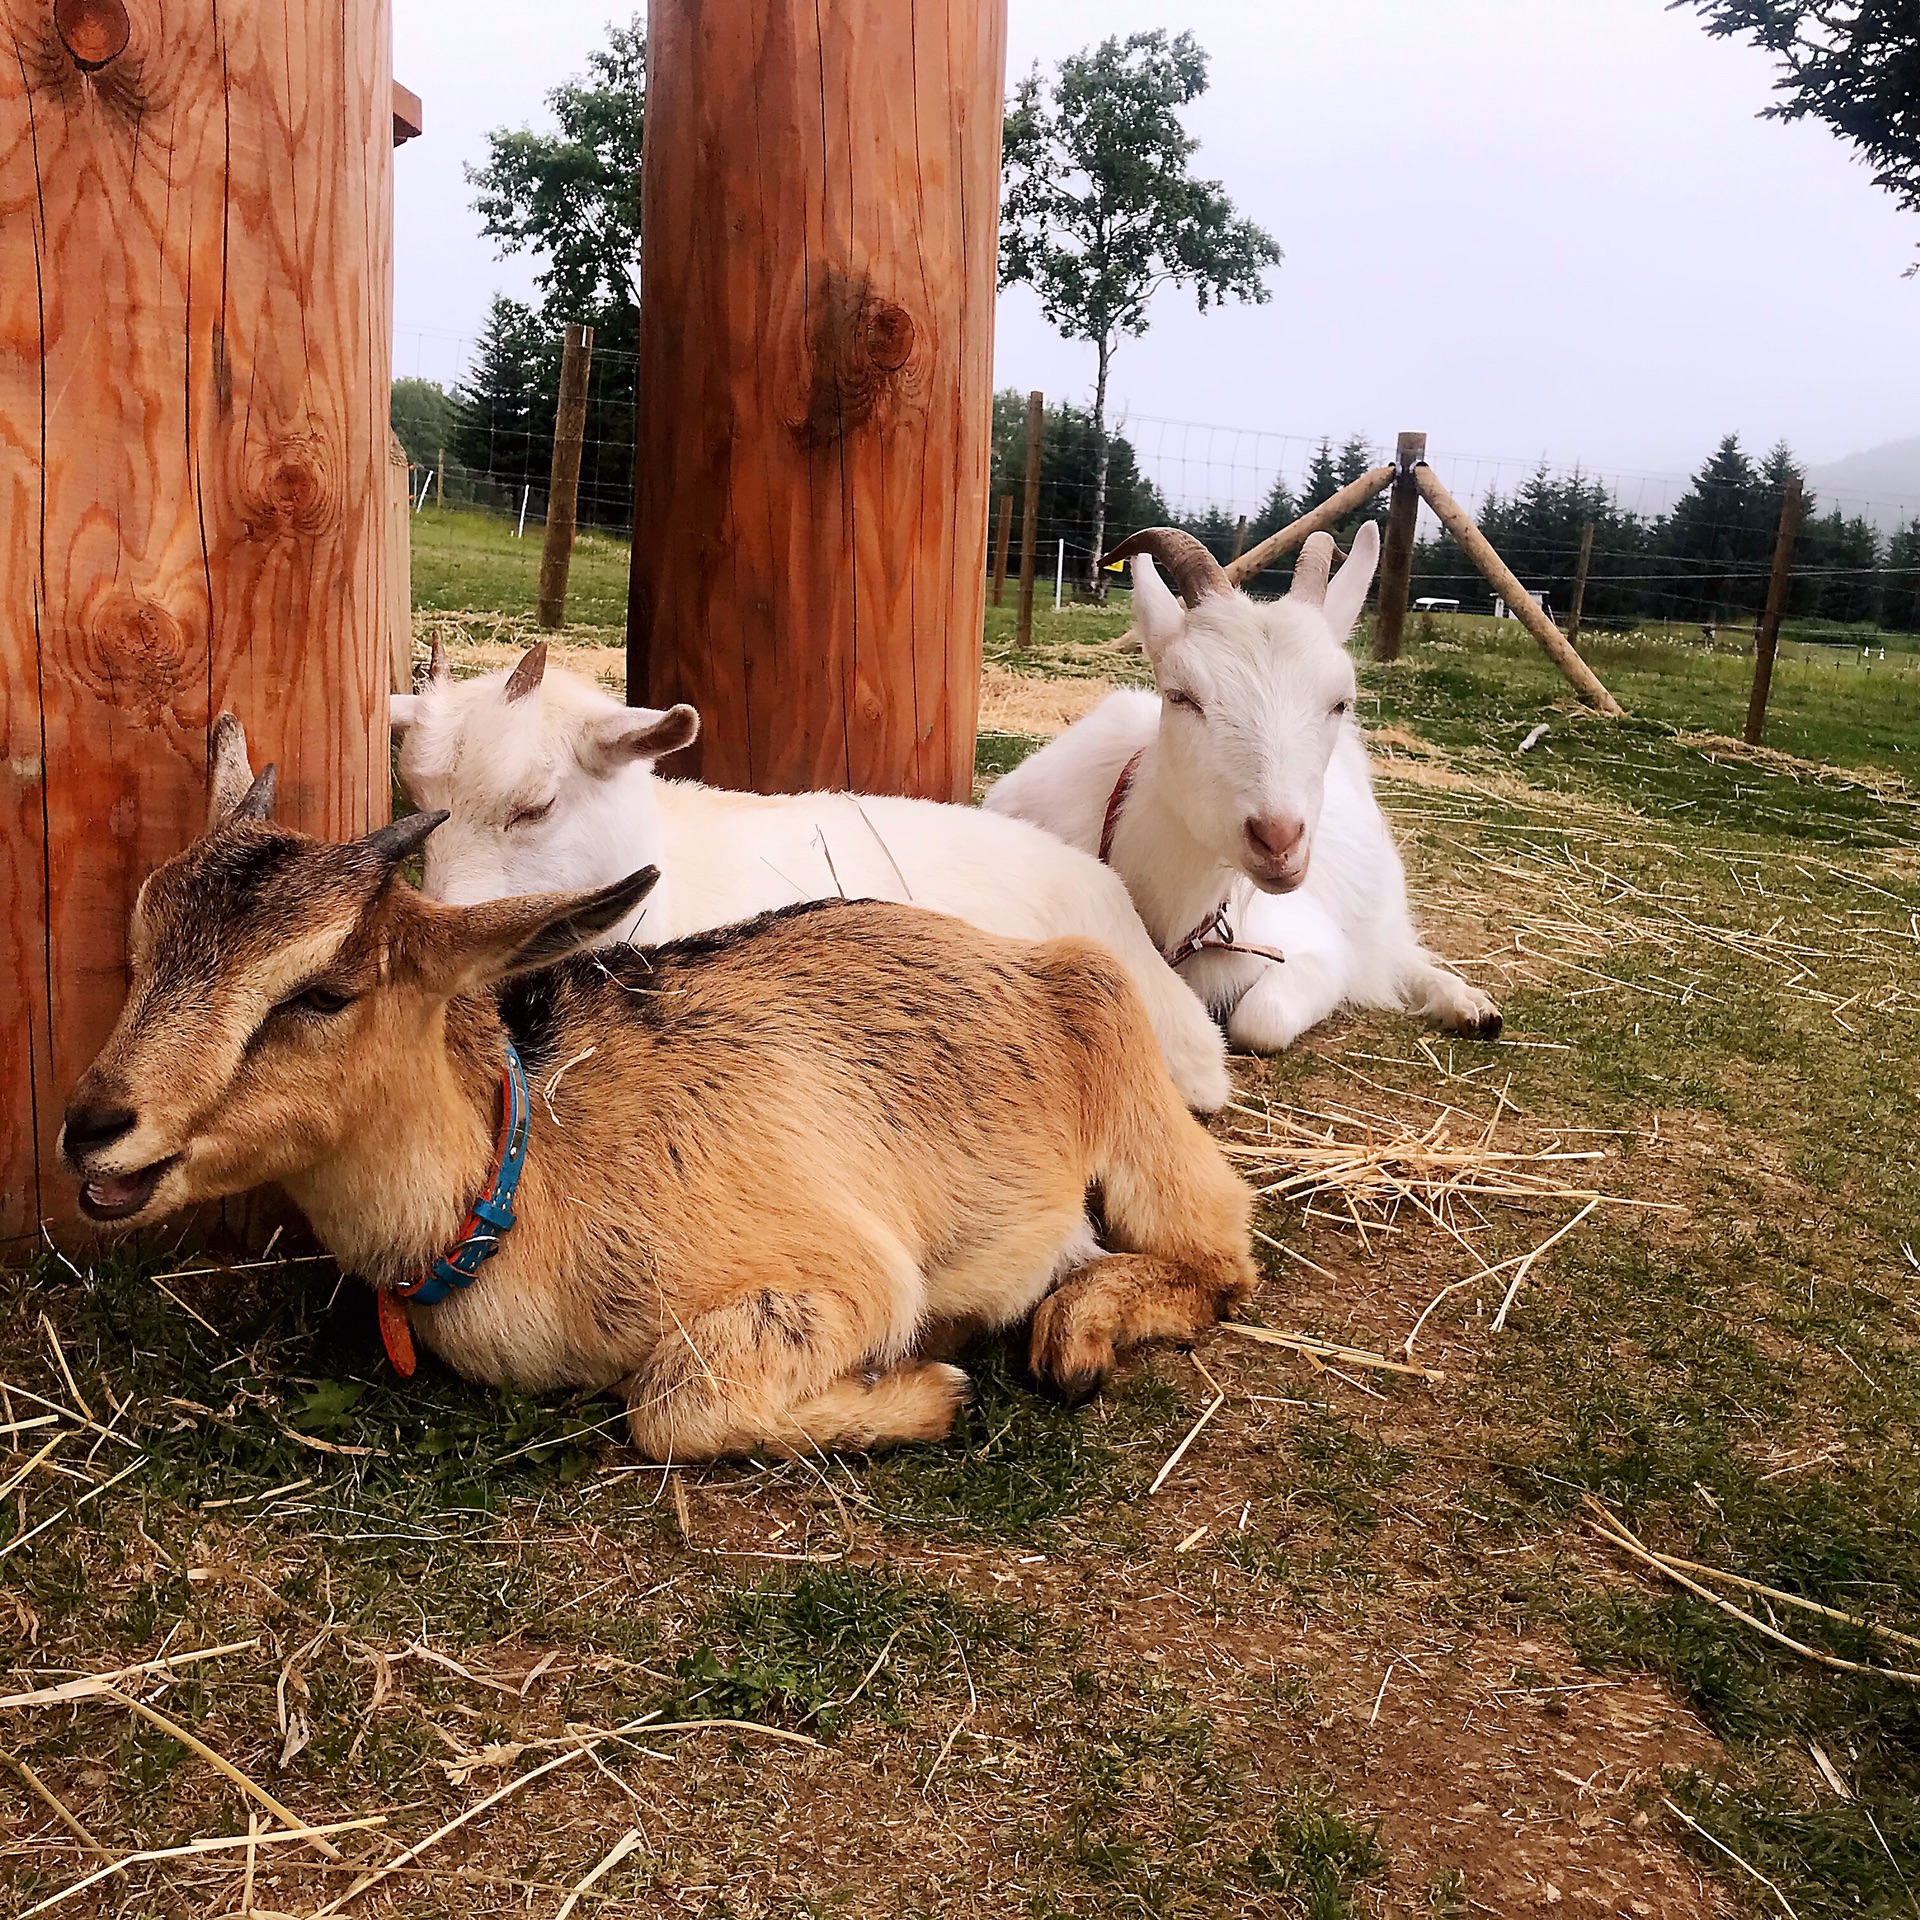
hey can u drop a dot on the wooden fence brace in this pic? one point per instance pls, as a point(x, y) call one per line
point(1396, 558)
point(1580, 584)
point(1001, 538)
point(1030, 515)
point(1767, 639)
point(563, 492)
point(1328, 513)
point(1502, 579)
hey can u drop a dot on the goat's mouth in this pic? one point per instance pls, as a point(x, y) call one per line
point(119, 1196)
point(1275, 876)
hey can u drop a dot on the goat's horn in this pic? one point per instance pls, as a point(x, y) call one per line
point(1312, 570)
point(257, 802)
point(528, 674)
point(1195, 573)
point(403, 839)
point(438, 671)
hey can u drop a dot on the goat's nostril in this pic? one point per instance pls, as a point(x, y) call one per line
point(1277, 837)
point(88, 1129)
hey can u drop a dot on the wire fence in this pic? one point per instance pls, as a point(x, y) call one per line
point(1666, 549)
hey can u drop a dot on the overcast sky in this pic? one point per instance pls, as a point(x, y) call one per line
point(1532, 230)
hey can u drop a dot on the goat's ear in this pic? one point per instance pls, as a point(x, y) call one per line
point(457, 949)
point(404, 710)
point(1157, 615)
point(1347, 591)
point(233, 793)
point(642, 733)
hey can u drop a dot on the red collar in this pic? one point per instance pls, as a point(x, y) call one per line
point(1214, 931)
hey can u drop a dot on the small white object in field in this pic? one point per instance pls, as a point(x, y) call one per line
point(1533, 739)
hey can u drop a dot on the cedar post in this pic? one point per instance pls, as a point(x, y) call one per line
point(1001, 539)
point(563, 491)
point(1502, 579)
point(399, 563)
point(1030, 517)
point(1396, 557)
point(196, 305)
point(820, 194)
point(1239, 540)
point(1580, 584)
point(1767, 641)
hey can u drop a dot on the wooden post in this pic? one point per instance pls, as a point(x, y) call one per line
point(1030, 517)
point(1396, 556)
point(1001, 538)
point(1580, 584)
point(196, 310)
point(1502, 579)
point(440, 480)
point(563, 491)
point(1354, 495)
point(1239, 540)
point(399, 563)
point(1766, 643)
point(820, 194)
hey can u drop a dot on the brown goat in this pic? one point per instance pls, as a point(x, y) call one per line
point(765, 1168)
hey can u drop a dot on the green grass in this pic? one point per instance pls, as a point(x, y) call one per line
point(469, 562)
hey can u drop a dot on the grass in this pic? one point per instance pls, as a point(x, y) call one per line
point(1358, 1655)
point(470, 562)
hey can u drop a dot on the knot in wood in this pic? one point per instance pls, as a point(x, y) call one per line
point(292, 489)
point(92, 31)
point(889, 335)
point(136, 655)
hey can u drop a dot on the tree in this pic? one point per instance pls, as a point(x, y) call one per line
point(507, 400)
point(1101, 209)
point(1900, 605)
point(426, 418)
point(1719, 536)
point(1853, 63)
point(1067, 463)
point(572, 200)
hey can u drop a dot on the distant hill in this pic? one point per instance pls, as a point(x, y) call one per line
point(1883, 483)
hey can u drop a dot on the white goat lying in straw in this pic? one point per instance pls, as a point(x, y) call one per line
point(548, 782)
point(753, 1173)
point(1238, 805)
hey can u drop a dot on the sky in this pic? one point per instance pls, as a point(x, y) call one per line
point(1533, 231)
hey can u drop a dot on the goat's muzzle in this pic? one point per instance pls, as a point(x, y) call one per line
point(1277, 852)
point(91, 1132)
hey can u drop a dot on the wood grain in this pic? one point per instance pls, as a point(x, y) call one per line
point(821, 203)
point(195, 306)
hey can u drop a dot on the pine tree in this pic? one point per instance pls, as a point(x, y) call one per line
point(1900, 602)
point(507, 401)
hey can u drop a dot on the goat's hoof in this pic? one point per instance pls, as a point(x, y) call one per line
point(1489, 1026)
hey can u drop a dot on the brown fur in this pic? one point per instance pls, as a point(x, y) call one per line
point(765, 1168)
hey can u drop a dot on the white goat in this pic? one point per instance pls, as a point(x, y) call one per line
point(1238, 804)
point(549, 785)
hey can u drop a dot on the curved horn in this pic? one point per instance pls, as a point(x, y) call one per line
point(403, 839)
point(1194, 572)
point(528, 674)
point(1311, 571)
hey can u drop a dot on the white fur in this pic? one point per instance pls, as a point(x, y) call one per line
point(1273, 745)
point(725, 856)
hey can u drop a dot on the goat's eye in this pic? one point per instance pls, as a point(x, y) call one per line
point(315, 1002)
point(528, 816)
point(1180, 697)
point(1341, 707)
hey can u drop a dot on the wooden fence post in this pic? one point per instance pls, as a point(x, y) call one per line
point(1239, 540)
point(1030, 517)
point(1502, 579)
point(1767, 640)
point(1580, 584)
point(1354, 495)
point(1396, 557)
point(196, 304)
point(563, 491)
point(399, 563)
point(1001, 538)
point(820, 194)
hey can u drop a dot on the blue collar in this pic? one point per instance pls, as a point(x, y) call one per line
point(491, 1216)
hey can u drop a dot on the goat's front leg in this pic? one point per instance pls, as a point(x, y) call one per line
point(797, 1365)
point(1430, 990)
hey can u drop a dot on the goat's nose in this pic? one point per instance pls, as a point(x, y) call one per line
point(1276, 836)
point(88, 1129)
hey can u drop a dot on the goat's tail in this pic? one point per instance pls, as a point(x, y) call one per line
point(1167, 1191)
